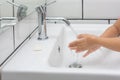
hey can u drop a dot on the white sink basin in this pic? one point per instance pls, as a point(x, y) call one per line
point(51, 63)
point(100, 59)
point(103, 64)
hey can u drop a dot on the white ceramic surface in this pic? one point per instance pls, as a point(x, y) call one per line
point(24, 28)
point(101, 9)
point(51, 59)
point(100, 59)
point(66, 8)
point(6, 10)
point(6, 42)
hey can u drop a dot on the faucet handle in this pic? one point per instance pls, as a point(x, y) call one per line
point(49, 3)
point(21, 11)
point(46, 3)
point(39, 9)
point(59, 18)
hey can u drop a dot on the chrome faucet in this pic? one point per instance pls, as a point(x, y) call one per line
point(42, 31)
point(42, 10)
point(59, 19)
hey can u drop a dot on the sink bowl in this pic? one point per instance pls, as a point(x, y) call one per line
point(53, 60)
point(102, 64)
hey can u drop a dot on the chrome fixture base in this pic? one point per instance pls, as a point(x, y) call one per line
point(41, 38)
point(75, 65)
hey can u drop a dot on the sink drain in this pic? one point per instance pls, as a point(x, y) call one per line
point(75, 65)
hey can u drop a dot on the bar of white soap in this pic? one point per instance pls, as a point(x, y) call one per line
point(37, 48)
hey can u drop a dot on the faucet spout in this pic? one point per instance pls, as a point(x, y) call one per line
point(59, 18)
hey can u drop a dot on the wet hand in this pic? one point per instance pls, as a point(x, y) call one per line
point(84, 42)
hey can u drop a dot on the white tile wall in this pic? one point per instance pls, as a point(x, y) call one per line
point(6, 43)
point(31, 4)
point(72, 8)
point(66, 8)
point(101, 9)
point(24, 28)
point(89, 21)
point(5, 9)
point(112, 21)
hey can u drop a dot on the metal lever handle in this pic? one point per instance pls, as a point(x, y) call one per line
point(39, 9)
point(47, 4)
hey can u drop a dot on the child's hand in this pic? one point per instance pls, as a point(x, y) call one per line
point(92, 49)
point(84, 42)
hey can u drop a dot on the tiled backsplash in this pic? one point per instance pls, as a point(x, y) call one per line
point(101, 9)
point(86, 9)
point(6, 43)
point(66, 8)
point(12, 37)
point(6, 10)
point(24, 28)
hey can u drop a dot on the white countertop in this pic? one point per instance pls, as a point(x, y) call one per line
point(29, 59)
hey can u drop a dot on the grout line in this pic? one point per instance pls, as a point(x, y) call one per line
point(13, 9)
point(109, 21)
point(82, 9)
point(13, 37)
point(13, 26)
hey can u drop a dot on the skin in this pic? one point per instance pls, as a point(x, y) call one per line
point(109, 39)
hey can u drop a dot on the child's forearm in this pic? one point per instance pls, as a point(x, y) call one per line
point(110, 38)
point(112, 31)
point(111, 43)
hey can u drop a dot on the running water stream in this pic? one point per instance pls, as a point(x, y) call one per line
point(76, 64)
